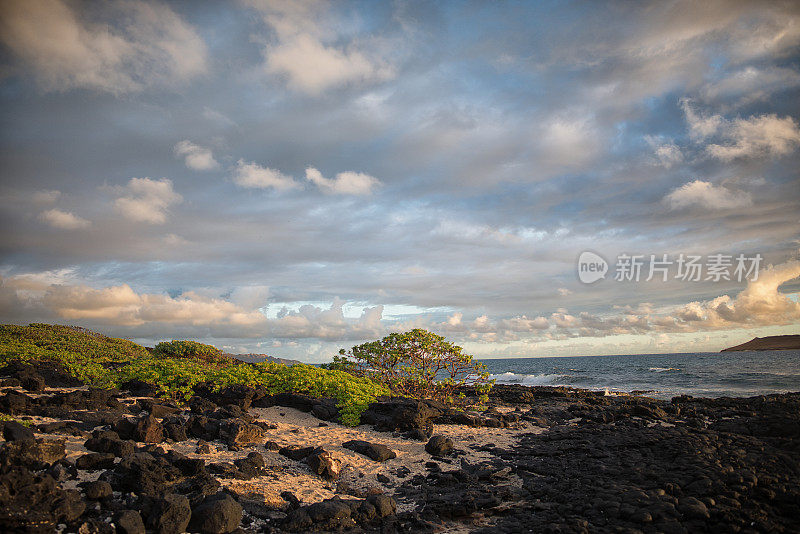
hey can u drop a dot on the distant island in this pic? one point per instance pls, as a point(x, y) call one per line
point(791, 342)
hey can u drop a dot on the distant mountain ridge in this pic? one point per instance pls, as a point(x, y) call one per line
point(789, 342)
point(257, 358)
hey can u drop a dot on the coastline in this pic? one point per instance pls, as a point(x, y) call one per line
point(540, 458)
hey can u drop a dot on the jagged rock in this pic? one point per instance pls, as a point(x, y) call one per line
point(14, 431)
point(175, 429)
point(170, 515)
point(250, 466)
point(405, 415)
point(31, 503)
point(241, 434)
point(217, 514)
point(295, 453)
point(33, 383)
point(148, 430)
point(109, 442)
point(201, 405)
point(332, 514)
point(14, 403)
point(95, 460)
point(375, 451)
point(33, 454)
point(439, 446)
point(99, 489)
point(142, 473)
point(53, 373)
point(323, 463)
point(203, 427)
point(129, 522)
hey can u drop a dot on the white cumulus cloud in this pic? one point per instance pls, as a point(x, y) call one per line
point(254, 176)
point(304, 51)
point(64, 50)
point(762, 136)
point(345, 183)
point(64, 220)
point(147, 200)
point(708, 196)
point(195, 156)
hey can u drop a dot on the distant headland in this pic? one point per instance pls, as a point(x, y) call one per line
point(791, 342)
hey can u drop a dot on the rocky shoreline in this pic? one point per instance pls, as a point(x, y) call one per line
point(540, 459)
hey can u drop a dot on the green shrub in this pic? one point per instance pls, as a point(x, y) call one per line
point(176, 367)
point(85, 355)
point(418, 364)
point(189, 349)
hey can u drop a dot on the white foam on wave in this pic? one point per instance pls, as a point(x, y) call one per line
point(525, 380)
point(663, 369)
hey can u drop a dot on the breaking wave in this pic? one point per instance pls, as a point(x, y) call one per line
point(527, 380)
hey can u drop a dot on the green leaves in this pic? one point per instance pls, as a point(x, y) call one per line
point(176, 367)
point(189, 349)
point(417, 364)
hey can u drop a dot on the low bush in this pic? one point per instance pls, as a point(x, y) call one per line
point(417, 364)
point(190, 349)
point(176, 367)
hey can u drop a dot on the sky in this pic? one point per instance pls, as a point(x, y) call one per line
point(292, 178)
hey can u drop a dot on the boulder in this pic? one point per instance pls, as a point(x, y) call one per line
point(148, 430)
point(295, 453)
point(250, 466)
point(217, 514)
point(14, 431)
point(241, 433)
point(129, 522)
point(324, 464)
point(439, 446)
point(99, 489)
point(404, 415)
point(95, 461)
point(375, 451)
point(170, 515)
point(33, 454)
point(33, 503)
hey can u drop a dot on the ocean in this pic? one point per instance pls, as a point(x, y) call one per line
point(701, 374)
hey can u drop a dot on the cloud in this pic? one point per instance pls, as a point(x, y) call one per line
point(750, 84)
point(759, 304)
point(701, 125)
point(345, 183)
point(47, 196)
point(303, 57)
point(254, 176)
point(568, 141)
point(193, 313)
point(195, 156)
point(63, 220)
point(668, 153)
point(64, 50)
point(708, 196)
point(763, 136)
point(147, 200)
point(755, 137)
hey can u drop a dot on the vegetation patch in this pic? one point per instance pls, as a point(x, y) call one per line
point(176, 367)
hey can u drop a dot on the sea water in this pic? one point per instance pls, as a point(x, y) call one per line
point(701, 374)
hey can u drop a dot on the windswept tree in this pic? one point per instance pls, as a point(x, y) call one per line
point(418, 364)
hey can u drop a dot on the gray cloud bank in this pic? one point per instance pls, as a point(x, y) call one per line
point(174, 170)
